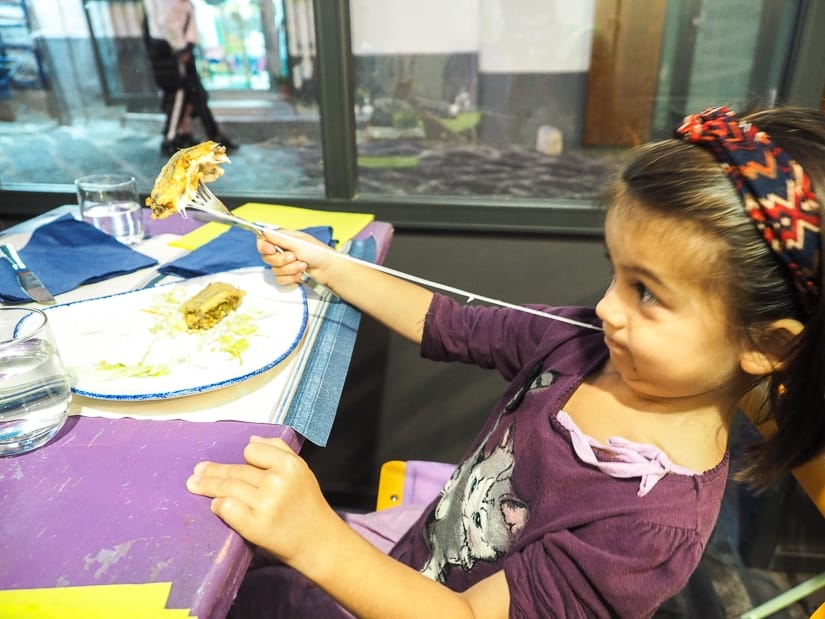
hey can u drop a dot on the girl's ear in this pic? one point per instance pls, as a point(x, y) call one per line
point(774, 346)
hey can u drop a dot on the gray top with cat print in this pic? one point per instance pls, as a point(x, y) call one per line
point(573, 540)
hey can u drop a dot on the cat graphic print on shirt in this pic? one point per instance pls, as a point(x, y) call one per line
point(478, 515)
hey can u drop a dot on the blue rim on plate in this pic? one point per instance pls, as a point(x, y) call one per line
point(289, 318)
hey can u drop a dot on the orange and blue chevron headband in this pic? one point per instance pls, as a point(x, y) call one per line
point(775, 190)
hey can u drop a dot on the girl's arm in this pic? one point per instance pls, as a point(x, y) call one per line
point(274, 502)
point(399, 305)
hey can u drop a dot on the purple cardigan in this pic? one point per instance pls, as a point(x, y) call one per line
point(572, 540)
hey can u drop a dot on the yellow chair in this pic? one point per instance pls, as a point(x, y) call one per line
point(411, 482)
point(390, 484)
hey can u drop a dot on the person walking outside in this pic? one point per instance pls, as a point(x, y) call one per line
point(170, 34)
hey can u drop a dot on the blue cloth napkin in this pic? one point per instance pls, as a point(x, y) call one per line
point(234, 249)
point(67, 253)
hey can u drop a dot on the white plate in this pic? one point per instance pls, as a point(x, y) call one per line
point(135, 346)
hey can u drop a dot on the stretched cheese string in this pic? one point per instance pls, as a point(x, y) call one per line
point(207, 204)
point(471, 296)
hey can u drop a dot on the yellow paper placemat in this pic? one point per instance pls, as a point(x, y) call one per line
point(344, 225)
point(138, 601)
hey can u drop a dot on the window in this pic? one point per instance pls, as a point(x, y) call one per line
point(478, 113)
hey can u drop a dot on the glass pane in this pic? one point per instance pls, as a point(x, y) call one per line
point(98, 109)
point(537, 98)
point(232, 45)
point(468, 98)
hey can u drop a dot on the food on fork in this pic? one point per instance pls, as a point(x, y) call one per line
point(178, 180)
point(211, 305)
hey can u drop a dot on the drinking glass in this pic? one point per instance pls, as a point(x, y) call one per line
point(34, 386)
point(110, 203)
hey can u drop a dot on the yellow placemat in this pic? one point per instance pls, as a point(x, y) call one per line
point(138, 601)
point(344, 225)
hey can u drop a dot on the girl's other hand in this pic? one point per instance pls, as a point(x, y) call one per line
point(273, 500)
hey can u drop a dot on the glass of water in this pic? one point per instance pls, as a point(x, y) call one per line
point(34, 386)
point(110, 203)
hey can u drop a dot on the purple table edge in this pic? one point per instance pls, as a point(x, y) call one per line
point(105, 502)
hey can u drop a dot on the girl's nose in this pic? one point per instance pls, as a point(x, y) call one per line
point(608, 309)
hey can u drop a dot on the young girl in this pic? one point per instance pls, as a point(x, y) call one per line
point(592, 489)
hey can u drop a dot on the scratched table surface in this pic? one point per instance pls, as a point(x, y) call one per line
point(105, 502)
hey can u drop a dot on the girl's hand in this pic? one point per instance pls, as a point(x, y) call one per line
point(273, 501)
point(291, 254)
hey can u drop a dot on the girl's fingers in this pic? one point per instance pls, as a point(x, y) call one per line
point(263, 454)
point(284, 263)
point(242, 472)
point(282, 239)
point(267, 247)
point(223, 487)
point(276, 258)
point(271, 239)
point(272, 440)
point(293, 268)
point(232, 511)
point(270, 454)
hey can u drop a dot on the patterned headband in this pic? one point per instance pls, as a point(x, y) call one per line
point(775, 190)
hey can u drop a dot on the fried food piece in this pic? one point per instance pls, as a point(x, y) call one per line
point(211, 305)
point(178, 180)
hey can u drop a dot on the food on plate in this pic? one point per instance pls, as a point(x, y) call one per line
point(211, 305)
point(178, 180)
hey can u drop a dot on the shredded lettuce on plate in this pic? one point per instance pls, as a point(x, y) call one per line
point(172, 343)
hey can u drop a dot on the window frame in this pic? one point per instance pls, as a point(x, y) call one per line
point(802, 86)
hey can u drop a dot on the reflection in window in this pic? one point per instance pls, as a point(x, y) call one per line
point(532, 98)
point(99, 109)
point(473, 98)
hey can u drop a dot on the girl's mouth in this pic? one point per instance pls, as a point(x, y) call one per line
point(612, 345)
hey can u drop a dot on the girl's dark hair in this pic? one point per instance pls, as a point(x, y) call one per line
point(686, 182)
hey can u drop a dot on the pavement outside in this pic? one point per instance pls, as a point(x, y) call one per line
point(34, 148)
point(280, 152)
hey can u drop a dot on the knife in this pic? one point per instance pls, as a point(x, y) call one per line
point(28, 281)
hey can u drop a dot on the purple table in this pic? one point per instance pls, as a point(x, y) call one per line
point(105, 502)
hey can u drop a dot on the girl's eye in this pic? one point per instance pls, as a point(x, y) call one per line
point(645, 296)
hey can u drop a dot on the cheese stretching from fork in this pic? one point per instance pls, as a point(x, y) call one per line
point(178, 180)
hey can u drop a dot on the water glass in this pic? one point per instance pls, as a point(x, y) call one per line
point(34, 386)
point(110, 203)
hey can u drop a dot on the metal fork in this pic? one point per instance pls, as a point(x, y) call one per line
point(210, 208)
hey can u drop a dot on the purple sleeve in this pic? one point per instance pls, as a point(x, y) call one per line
point(607, 569)
point(491, 337)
